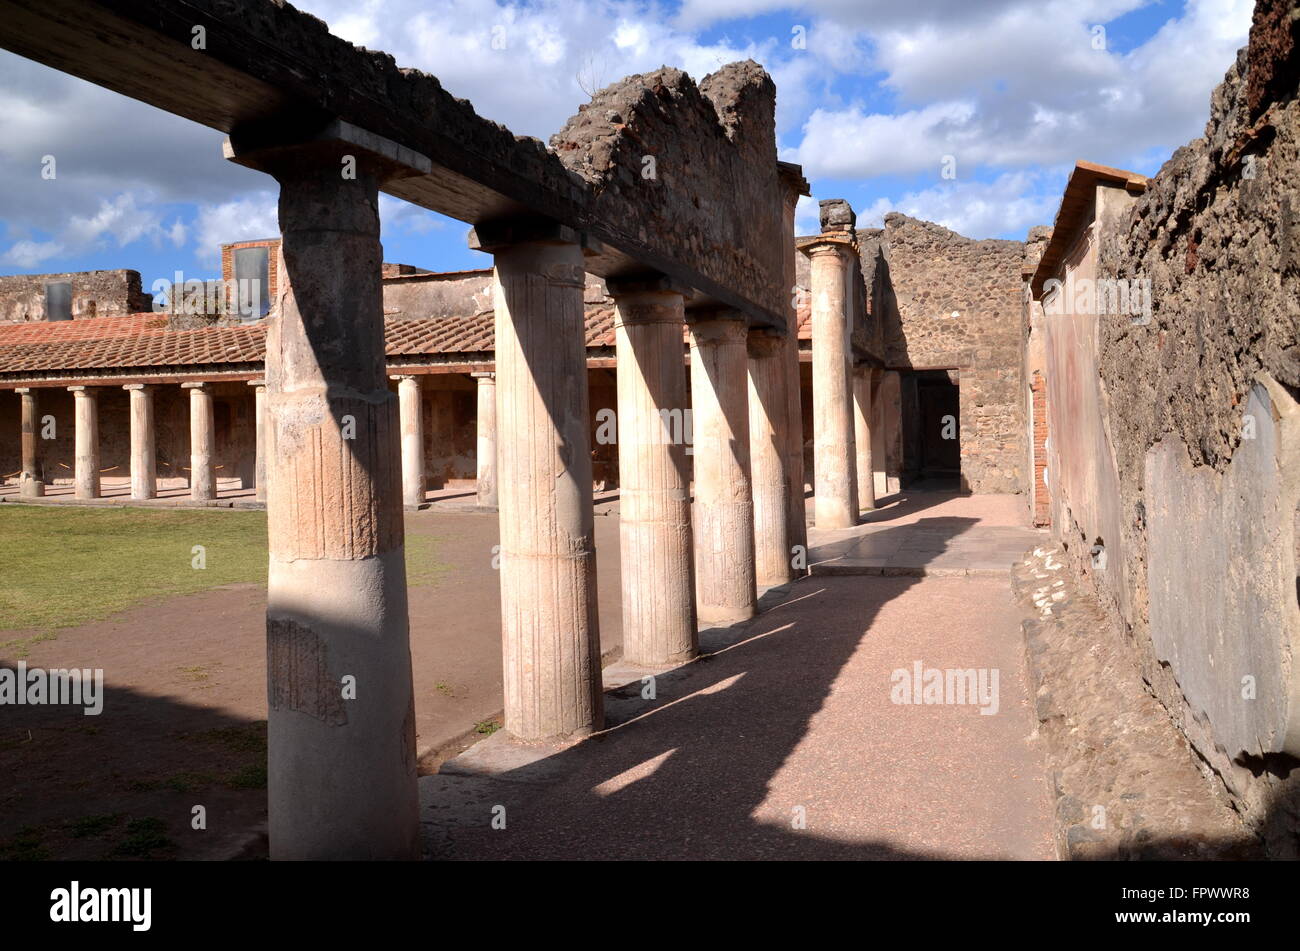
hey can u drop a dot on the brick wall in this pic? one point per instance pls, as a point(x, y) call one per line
point(272, 269)
point(1042, 502)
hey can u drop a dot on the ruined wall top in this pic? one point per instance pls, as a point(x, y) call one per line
point(688, 168)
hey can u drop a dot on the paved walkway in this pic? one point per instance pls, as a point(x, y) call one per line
point(927, 534)
point(784, 740)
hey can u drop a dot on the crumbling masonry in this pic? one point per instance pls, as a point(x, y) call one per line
point(1132, 371)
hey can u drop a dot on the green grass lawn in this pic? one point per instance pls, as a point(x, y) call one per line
point(65, 566)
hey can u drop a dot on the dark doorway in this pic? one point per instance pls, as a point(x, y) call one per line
point(931, 408)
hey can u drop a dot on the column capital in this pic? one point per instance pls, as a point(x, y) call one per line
point(717, 326)
point(830, 244)
point(652, 283)
point(406, 377)
point(484, 376)
point(764, 342)
point(259, 383)
point(197, 385)
point(83, 390)
point(143, 387)
point(494, 236)
point(718, 314)
point(22, 390)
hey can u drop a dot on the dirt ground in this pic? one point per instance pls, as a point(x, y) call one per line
point(184, 720)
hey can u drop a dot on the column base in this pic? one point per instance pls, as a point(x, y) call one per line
point(709, 619)
point(32, 489)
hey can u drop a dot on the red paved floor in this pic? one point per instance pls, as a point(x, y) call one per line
point(789, 721)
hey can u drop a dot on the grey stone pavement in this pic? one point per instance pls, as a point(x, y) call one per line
point(927, 534)
point(786, 738)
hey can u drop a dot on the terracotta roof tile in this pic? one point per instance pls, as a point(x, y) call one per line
point(144, 340)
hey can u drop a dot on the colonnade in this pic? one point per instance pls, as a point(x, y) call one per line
point(711, 509)
point(144, 441)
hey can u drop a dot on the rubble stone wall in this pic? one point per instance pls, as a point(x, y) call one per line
point(1199, 410)
point(691, 168)
point(94, 294)
point(951, 302)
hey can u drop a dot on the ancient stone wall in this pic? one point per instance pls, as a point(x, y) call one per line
point(94, 294)
point(952, 302)
point(453, 294)
point(694, 168)
point(1200, 412)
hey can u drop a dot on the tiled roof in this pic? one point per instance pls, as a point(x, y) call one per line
point(140, 340)
point(144, 340)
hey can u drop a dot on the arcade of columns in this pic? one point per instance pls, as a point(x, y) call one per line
point(336, 587)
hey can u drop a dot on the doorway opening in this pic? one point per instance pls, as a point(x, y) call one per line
point(932, 428)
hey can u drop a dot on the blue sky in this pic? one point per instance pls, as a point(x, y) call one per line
point(875, 98)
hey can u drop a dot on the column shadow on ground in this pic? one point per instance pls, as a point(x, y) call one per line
point(682, 776)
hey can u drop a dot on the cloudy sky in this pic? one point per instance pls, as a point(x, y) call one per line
point(877, 99)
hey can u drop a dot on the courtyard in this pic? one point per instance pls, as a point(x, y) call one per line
point(184, 661)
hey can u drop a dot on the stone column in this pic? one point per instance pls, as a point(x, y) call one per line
point(835, 504)
point(768, 411)
point(412, 418)
point(551, 636)
point(795, 185)
point(30, 485)
point(203, 487)
point(724, 508)
point(862, 438)
point(144, 458)
point(341, 780)
point(86, 436)
point(486, 439)
point(659, 624)
point(260, 436)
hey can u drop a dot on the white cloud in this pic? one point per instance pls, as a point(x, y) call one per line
point(396, 215)
point(1027, 87)
point(246, 218)
point(119, 221)
point(1008, 85)
point(119, 218)
point(1010, 203)
point(29, 254)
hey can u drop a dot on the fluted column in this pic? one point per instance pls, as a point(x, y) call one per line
point(86, 438)
point(260, 438)
point(551, 636)
point(724, 508)
point(412, 418)
point(835, 504)
point(203, 483)
point(342, 766)
point(30, 484)
point(862, 438)
point(485, 436)
point(144, 457)
point(659, 625)
point(794, 185)
point(767, 418)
